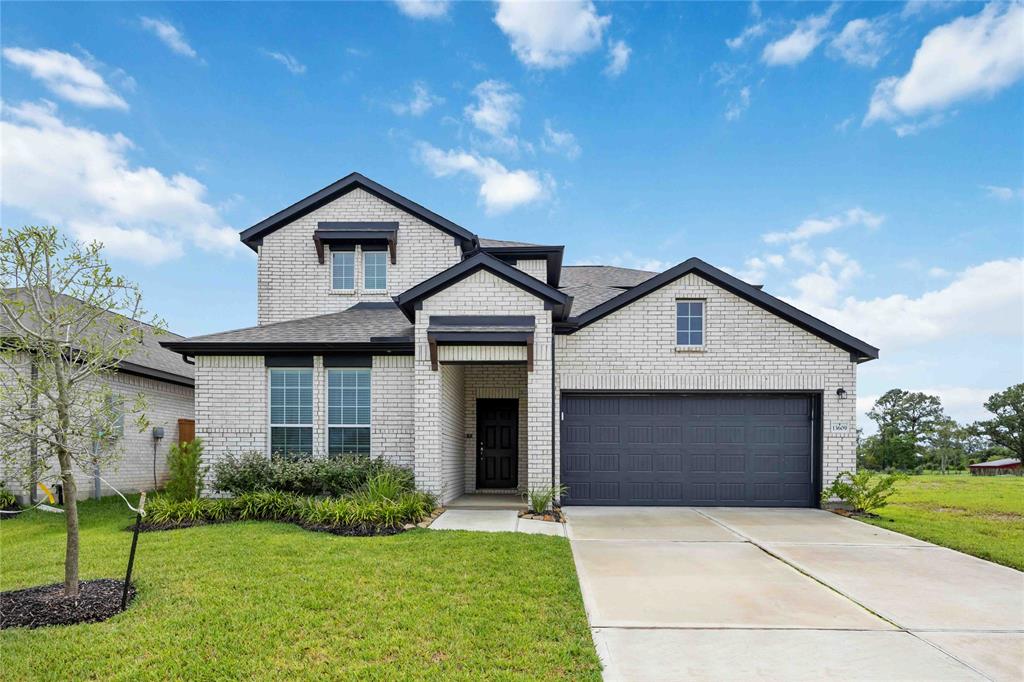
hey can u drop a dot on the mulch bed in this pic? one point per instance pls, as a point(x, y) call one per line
point(553, 515)
point(46, 605)
point(855, 514)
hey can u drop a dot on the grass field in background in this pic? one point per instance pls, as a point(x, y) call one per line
point(258, 600)
point(979, 515)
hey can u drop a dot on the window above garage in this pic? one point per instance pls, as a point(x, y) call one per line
point(689, 324)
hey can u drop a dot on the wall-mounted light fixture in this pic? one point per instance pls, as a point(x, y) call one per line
point(841, 393)
point(158, 435)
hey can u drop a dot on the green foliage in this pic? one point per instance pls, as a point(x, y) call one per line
point(887, 451)
point(538, 499)
point(7, 499)
point(187, 471)
point(309, 476)
point(864, 490)
point(382, 505)
point(907, 413)
point(1006, 428)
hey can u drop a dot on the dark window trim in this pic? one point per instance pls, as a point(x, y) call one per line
point(342, 361)
point(483, 320)
point(288, 361)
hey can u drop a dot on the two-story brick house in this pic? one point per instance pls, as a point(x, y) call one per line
point(387, 330)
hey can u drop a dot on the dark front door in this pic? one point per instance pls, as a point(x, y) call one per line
point(497, 432)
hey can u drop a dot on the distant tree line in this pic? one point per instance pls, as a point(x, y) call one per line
point(914, 433)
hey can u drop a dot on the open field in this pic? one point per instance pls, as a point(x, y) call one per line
point(266, 600)
point(979, 515)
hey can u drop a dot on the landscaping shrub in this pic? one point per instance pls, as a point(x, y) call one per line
point(185, 464)
point(7, 498)
point(538, 499)
point(864, 491)
point(368, 509)
point(308, 476)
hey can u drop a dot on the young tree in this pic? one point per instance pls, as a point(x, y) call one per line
point(1006, 428)
point(66, 322)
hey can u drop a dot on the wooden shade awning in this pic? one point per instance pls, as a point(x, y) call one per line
point(349, 234)
point(481, 330)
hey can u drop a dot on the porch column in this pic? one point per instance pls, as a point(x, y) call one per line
point(539, 406)
point(427, 464)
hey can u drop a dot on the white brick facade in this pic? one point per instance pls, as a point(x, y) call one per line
point(133, 468)
point(426, 419)
point(293, 284)
point(746, 348)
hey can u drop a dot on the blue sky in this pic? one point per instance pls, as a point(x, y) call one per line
point(864, 161)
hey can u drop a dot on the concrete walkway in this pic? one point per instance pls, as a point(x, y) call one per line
point(788, 594)
point(494, 521)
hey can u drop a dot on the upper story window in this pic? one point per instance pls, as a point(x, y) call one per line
point(375, 270)
point(343, 270)
point(690, 323)
point(348, 412)
point(291, 411)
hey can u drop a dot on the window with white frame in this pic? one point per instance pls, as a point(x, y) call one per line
point(291, 412)
point(343, 270)
point(375, 270)
point(690, 323)
point(348, 412)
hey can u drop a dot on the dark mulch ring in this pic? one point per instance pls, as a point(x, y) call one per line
point(350, 531)
point(855, 514)
point(553, 515)
point(38, 607)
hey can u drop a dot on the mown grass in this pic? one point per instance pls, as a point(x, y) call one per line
point(979, 515)
point(261, 600)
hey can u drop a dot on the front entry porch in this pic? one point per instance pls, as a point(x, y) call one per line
point(485, 501)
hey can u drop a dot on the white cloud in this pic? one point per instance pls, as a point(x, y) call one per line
point(750, 32)
point(971, 56)
point(862, 42)
point(1002, 193)
point(618, 59)
point(802, 253)
point(169, 35)
point(738, 105)
point(500, 189)
point(822, 286)
point(496, 111)
point(628, 259)
point(844, 125)
point(798, 45)
point(937, 272)
point(908, 128)
point(813, 227)
point(423, 9)
point(560, 142)
point(985, 300)
point(421, 102)
point(289, 62)
point(548, 35)
point(67, 77)
point(756, 269)
point(83, 180)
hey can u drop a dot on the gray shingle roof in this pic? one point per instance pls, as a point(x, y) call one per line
point(150, 355)
point(602, 276)
point(592, 285)
point(497, 243)
point(361, 323)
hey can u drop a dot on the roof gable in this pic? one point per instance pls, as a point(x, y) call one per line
point(559, 301)
point(859, 350)
point(253, 236)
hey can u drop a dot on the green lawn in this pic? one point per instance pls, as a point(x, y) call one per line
point(268, 600)
point(979, 515)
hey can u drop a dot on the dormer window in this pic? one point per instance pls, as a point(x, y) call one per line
point(343, 270)
point(375, 270)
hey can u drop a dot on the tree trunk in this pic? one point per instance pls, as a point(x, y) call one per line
point(71, 519)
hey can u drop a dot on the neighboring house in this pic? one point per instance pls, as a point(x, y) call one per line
point(387, 330)
point(165, 379)
point(997, 467)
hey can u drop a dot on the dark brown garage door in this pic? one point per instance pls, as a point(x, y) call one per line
point(695, 449)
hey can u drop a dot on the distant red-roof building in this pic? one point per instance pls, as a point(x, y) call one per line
point(997, 467)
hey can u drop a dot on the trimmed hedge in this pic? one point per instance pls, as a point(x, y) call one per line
point(309, 477)
point(362, 510)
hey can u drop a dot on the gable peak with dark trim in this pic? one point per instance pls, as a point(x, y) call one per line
point(253, 236)
point(559, 302)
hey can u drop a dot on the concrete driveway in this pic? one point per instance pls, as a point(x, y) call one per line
point(788, 594)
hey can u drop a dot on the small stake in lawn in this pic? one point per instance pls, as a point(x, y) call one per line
point(131, 556)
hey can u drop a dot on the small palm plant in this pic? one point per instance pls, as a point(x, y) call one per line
point(539, 499)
